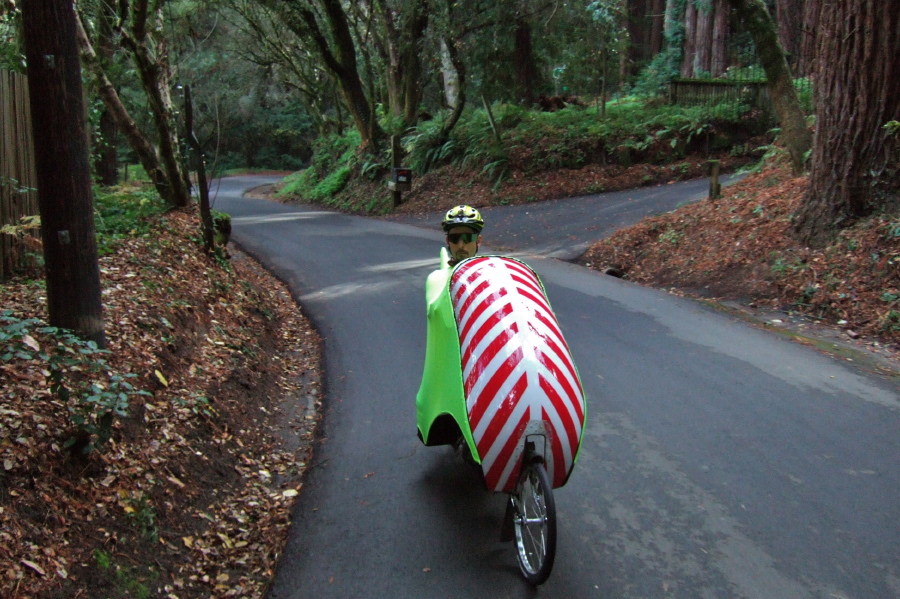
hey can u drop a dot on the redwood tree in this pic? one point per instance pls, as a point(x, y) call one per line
point(62, 163)
point(705, 49)
point(789, 14)
point(856, 160)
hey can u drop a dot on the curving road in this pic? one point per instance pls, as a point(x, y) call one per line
point(719, 461)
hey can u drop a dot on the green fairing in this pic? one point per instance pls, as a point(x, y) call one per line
point(441, 391)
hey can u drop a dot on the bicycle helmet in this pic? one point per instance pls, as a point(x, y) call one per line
point(463, 216)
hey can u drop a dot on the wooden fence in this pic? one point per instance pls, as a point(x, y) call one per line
point(707, 92)
point(18, 193)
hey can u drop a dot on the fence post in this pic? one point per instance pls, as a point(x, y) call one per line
point(715, 188)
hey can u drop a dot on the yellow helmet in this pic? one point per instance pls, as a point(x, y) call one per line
point(463, 216)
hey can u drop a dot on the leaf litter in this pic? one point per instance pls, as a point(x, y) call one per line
point(192, 495)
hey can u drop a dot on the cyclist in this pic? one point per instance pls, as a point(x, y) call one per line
point(463, 225)
point(441, 391)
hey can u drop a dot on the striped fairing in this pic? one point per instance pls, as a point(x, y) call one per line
point(517, 369)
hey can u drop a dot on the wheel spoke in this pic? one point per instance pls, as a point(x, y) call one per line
point(535, 524)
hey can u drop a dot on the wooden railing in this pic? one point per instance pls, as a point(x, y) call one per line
point(18, 194)
point(707, 92)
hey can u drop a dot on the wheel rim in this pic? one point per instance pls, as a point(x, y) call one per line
point(532, 525)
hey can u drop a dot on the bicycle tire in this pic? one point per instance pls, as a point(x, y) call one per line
point(534, 519)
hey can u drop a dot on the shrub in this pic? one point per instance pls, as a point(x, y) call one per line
point(93, 392)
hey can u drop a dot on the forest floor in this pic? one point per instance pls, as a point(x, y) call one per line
point(191, 497)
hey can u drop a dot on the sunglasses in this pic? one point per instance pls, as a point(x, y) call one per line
point(466, 237)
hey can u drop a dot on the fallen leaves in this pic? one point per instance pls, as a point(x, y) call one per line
point(742, 247)
point(202, 461)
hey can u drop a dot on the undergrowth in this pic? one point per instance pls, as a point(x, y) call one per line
point(494, 145)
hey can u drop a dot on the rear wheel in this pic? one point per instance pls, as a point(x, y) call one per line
point(534, 519)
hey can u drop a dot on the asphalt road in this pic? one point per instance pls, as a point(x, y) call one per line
point(719, 461)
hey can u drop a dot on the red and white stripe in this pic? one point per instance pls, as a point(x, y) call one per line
point(516, 368)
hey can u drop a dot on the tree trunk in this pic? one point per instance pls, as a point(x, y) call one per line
point(856, 160)
point(794, 134)
point(339, 57)
point(450, 76)
point(638, 22)
point(206, 220)
point(150, 54)
point(672, 20)
point(690, 40)
point(703, 44)
point(412, 43)
point(807, 58)
point(106, 155)
point(142, 146)
point(719, 63)
point(789, 15)
point(459, 68)
point(657, 27)
point(63, 168)
point(523, 56)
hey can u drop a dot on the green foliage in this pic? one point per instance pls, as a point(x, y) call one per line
point(196, 403)
point(142, 515)
point(334, 160)
point(133, 173)
point(28, 226)
point(654, 79)
point(893, 128)
point(531, 141)
point(781, 266)
point(299, 183)
point(127, 582)
point(94, 393)
point(328, 187)
point(121, 212)
point(12, 51)
point(221, 227)
point(671, 236)
point(425, 146)
point(334, 151)
point(804, 87)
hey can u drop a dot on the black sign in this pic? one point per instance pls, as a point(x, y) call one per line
point(401, 175)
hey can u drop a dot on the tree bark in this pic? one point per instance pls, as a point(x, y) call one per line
point(206, 220)
point(339, 57)
point(403, 55)
point(412, 42)
point(807, 58)
point(638, 22)
point(855, 160)
point(523, 56)
point(719, 62)
point(789, 15)
point(657, 26)
point(150, 54)
point(794, 134)
point(450, 75)
point(106, 155)
point(62, 162)
point(703, 41)
point(459, 67)
point(690, 40)
point(142, 146)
